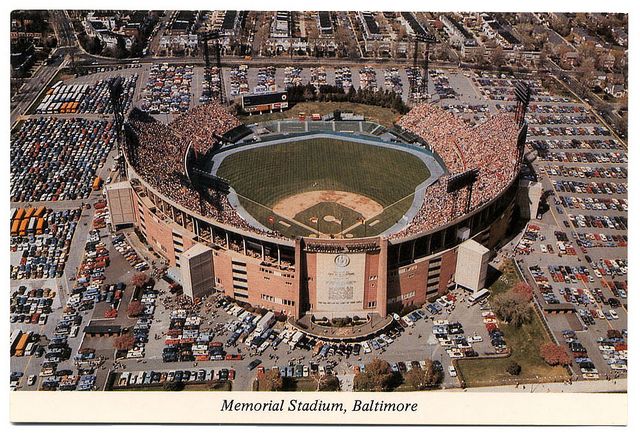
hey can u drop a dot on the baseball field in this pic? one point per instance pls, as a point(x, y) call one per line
point(325, 186)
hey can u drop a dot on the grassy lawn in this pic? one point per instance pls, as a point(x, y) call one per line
point(383, 116)
point(385, 175)
point(524, 343)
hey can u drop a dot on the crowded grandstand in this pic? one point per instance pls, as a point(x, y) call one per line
point(490, 147)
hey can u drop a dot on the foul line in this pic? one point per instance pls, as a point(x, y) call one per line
point(281, 216)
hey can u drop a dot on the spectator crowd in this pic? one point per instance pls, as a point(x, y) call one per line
point(489, 147)
point(202, 124)
point(159, 159)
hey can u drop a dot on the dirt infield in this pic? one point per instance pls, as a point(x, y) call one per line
point(289, 207)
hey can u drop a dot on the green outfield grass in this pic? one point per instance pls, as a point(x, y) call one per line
point(263, 176)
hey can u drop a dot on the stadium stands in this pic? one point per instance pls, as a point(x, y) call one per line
point(490, 147)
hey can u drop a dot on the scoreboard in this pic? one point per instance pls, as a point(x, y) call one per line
point(265, 102)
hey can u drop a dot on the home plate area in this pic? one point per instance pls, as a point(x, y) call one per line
point(328, 212)
point(328, 218)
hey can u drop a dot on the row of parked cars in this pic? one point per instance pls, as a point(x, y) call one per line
point(168, 89)
point(129, 253)
point(143, 324)
point(33, 306)
point(57, 351)
point(584, 157)
point(598, 222)
point(57, 159)
point(451, 337)
point(142, 378)
point(44, 255)
point(91, 273)
point(590, 240)
point(344, 78)
point(595, 203)
point(585, 171)
point(580, 356)
point(239, 80)
point(211, 85)
point(97, 98)
point(613, 348)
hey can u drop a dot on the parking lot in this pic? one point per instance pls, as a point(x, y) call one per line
point(186, 336)
point(575, 255)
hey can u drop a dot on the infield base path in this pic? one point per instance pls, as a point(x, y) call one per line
point(289, 207)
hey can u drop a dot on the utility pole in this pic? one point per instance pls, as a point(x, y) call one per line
point(117, 102)
point(205, 37)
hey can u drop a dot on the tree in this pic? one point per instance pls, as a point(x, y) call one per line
point(271, 381)
point(554, 354)
point(135, 308)
point(172, 386)
point(420, 379)
point(497, 57)
point(140, 279)
point(524, 291)
point(121, 47)
point(514, 368)
point(327, 383)
point(377, 377)
point(514, 306)
point(124, 342)
point(415, 378)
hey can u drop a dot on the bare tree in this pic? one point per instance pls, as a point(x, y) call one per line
point(124, 342)
point(271, 381)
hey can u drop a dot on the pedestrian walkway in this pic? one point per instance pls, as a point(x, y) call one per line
point(600, 386)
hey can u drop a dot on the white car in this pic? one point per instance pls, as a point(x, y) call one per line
point(452, 371)
point(614, 314)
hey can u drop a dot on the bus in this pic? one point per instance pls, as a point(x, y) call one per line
point(22, 343)
point(295, 339)
point(39, 211)
point(29, 213)
point(23, 227)
point(478, 296)
point(15, 227)
point(15, 338)
point(97, 183)
point(40, 226)
point(31, 228)
point(19, 214)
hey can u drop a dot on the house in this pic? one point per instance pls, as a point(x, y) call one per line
point(620, 36)
point(458, 35)
point(616, 90)
point(569, 58)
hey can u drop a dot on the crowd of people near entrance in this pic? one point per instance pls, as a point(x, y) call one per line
point(490, 147)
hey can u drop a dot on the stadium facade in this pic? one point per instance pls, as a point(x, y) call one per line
point(322, 277)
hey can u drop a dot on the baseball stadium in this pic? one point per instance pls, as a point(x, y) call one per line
point(332, 217)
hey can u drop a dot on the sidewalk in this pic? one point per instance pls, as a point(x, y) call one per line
point(600, 386)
